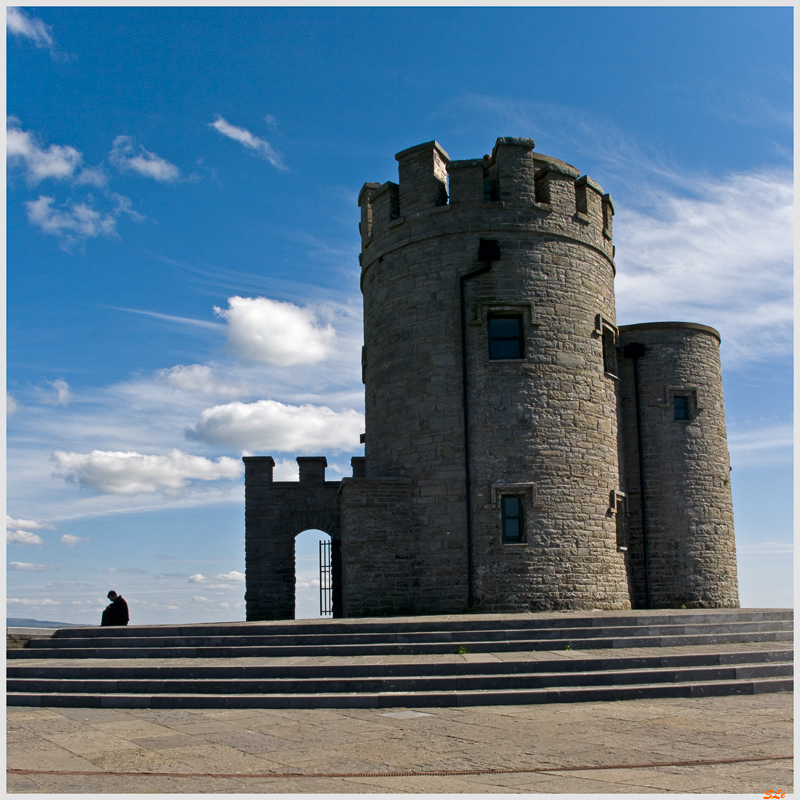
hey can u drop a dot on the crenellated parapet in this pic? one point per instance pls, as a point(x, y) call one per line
point(514, 189)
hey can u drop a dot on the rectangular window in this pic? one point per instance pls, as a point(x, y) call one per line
point(511, 509)
point(505, 337)
point(490, 194)
point(681, 407)
point(622, 533)
point(609, 352)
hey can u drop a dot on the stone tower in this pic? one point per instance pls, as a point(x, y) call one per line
point(517, 267)
point(680, 528)
point(502, 468)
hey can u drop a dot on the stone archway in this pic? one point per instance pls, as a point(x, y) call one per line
point(276, 512)
point(307, 573)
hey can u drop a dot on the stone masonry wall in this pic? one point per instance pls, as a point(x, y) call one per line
point(691, 552)
point(275, 513)
point(379, 551)
point(547, 423)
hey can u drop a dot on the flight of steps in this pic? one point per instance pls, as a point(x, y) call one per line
point(409, 662)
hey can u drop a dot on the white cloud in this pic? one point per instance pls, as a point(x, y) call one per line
point(74, 220)
point(225, 582)
point(12, 406)
point(21, 566)
point(286, 469)
point(198, 379)
point(57, 161)
point(91, 176)
point(127, 157)
point(249, 140)
point(23, 537)
point(35, 603)
point(28, 524)
point(70, 541)
point(231, 577)
point(270, 331)
point(133, 473)
point(20, 24)
point(267, 425)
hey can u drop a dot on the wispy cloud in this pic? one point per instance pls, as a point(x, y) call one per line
point(32, 28)
point(224, 581)
point(199, 379)
point(772, 445)
point(765, 548)
point(198, 323)
point(135, 473)
point(22, 566)
point(74, 222)
point(127, 156)
point(723, 258)
point(259, 146)
point(61, 395)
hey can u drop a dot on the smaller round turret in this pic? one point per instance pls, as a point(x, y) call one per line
point(676, 467)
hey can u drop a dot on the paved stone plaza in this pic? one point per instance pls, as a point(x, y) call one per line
point(369, 750)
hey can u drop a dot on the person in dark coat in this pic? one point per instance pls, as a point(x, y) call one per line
point(117, 612)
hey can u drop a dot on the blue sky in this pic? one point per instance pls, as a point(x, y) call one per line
point(182, 274)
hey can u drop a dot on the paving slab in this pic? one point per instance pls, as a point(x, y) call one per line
point(352, 750)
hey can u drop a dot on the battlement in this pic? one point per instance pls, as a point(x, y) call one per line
point(513, 185)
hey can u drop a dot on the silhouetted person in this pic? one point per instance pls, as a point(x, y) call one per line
point(117, 612)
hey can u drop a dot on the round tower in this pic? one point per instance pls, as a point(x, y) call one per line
point(676, 467)
point(491, 378)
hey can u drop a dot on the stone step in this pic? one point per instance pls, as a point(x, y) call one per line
point(419, 648)
point(198, 668)
point(406, 699)
point(455, 623)
point(428, 683)
point(387, 637)
point(702, 656)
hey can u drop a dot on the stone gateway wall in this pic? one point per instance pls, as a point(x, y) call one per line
point(501, 468)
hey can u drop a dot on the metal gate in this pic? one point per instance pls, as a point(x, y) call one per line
point(325, 583)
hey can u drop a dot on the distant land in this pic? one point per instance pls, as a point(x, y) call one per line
point(20, 622)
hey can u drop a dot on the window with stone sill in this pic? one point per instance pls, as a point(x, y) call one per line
point(681, 408)
point(513, 519)
point(506, 337)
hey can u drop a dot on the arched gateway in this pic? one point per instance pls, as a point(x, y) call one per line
point(276, 512)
